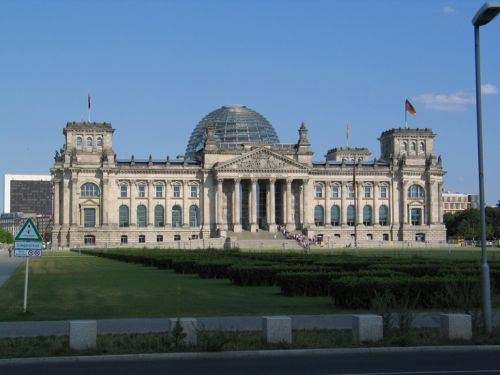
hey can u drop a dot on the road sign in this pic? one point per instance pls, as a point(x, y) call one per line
point(28, 242)
point(27, 253)
point(28, 232)
point(27, 245)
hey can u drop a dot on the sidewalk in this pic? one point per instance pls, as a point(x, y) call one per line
point(8, 265)
point(227, 323)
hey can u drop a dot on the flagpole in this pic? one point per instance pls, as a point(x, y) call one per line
point(406, 115)
point(88, 105)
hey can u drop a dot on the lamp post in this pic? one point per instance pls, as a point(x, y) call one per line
point(487, 12)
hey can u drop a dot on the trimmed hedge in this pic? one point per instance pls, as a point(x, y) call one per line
point(426, 292)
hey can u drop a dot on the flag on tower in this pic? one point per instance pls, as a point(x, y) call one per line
point(347, 131)
point(89, 101)
point(410, 108)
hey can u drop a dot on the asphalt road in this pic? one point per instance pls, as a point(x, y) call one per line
point(431, 363)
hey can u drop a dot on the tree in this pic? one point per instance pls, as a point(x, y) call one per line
point(466, 223)
point(6, 237)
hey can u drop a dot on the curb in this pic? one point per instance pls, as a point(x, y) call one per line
point(245, 354)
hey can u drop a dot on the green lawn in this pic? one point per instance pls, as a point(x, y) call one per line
point(95, 288)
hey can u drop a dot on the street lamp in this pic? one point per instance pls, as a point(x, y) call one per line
point(487, 12)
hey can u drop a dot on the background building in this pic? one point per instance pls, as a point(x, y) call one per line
point(28, 194)
point(237, 177)
point(454, 202)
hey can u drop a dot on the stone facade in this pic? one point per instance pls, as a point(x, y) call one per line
point(228, 188)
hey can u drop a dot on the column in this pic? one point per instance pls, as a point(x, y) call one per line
point(151, 209)
point(343, 203)
point(236, 206)
point(168, 214)
point(253, 206)
point(404, 195)
point(328, 212)
point(74, 201)
point(185, 203)
point(430, 197)
point(220, 221)
point(272, 205)
point(66, 219)
point(57, 184)
point(375, 203)
point(440, 202)
point(359, 204)
point(133, 209)
point(305, 204)
point(288, 220)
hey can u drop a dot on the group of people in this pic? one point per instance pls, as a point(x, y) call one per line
point(301, 239)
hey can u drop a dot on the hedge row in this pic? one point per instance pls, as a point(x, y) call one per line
point(318, 283)
point(425, 292)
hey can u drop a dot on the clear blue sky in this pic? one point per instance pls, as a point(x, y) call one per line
point(155, 68)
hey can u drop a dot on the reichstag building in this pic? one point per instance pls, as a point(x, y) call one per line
point(237, 178)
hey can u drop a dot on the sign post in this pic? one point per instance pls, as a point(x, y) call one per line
point(28, 243)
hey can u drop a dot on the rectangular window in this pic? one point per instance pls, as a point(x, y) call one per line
point(194, 237)
point(142, 238)
point(318, 191)
point(368, 191)
point(194, 191)
point(89, 240)
point(123, 191)
point(177, 191)
point(385, 237)
point(383, 192)
point(177, 237)
point(335, 191)
point(123, 240)
point(159, 238)
point(89, 217)
point(142, 191)
point(416, 216)
point(159, 191)
point(350, 192)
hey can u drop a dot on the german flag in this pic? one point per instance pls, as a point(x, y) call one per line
point(410, 108)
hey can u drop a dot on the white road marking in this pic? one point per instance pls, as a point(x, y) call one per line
point(478, 372)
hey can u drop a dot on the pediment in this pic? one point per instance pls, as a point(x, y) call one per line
point(261, 160)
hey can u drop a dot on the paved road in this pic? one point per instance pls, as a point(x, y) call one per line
point(389, 363)
point(8, 265)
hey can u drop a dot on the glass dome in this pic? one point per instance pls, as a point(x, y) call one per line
point(233, 124)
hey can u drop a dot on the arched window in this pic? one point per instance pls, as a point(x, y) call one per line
point(123, 216)
point(159, 216)
point(413, 146)
point(89, 190)
point(89, 141)
point(415, 191)
point(194, 216)
point(335, 216)
point(383, 215)
point(99, 142)
point(319, 216)
point(79, 141)
point(367, 215)
point(405, 146)
point(421, 147)
point(176, 216)
point(142, 214)
point(351, 215)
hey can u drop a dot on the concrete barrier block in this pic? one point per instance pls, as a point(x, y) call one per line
point(190, 328)
point(82, 334)
point(456, 326)
point(367, 328)
point(277, 329)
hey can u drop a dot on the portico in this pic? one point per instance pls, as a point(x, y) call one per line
point(261, 203)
